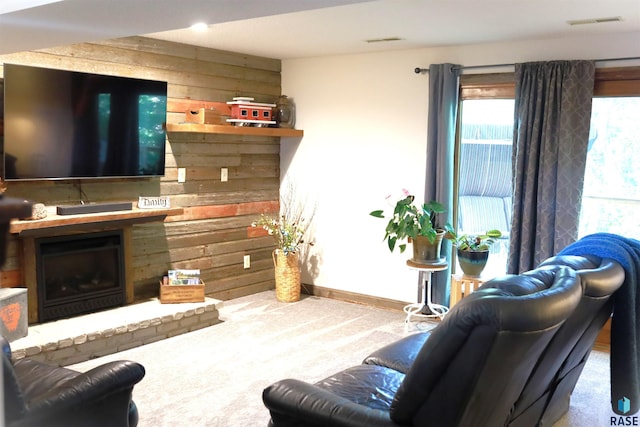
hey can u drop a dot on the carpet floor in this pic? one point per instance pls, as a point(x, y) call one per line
point(214, 377)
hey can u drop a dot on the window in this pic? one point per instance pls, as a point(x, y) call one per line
point(484, 178)
point(485, 139)
point(611, 194)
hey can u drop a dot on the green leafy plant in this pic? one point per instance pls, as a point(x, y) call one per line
point(476, 243)
point(409, 221)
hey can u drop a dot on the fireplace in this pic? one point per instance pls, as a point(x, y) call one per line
point(80, 273)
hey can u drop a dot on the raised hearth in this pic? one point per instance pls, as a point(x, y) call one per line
point(69, 341)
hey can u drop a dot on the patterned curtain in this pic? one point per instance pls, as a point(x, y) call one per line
point(551, 134)
point(444, 85)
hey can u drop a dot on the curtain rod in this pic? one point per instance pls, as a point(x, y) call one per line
point(419, 70)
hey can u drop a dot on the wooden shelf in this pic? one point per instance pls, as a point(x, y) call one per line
point(116, 218)
point(233, 130)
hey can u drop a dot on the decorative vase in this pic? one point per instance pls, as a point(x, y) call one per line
point(287, 273)
point(285, 112)
point(425, 252)
point(472, 262)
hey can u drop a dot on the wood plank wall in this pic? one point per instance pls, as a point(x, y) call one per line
point(214, 233)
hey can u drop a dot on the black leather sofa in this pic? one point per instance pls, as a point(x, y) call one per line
point(40, 395)
point(470, 370)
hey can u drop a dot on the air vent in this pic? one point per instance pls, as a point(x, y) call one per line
point(382, 40)
point(595, 20)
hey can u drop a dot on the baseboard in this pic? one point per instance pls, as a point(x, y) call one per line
point(357, 298)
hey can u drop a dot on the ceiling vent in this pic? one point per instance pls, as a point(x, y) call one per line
point(383, 40)
point(595, 20)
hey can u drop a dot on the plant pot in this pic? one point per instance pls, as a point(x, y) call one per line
point(287, 274)
point(472, 262)
point(425, 252)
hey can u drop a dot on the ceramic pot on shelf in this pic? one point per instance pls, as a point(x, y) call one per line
point(473, 263)
point(425, 252)
point(284, 112)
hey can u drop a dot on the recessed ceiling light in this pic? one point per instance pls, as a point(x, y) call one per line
point(200, 26)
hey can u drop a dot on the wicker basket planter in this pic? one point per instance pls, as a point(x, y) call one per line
point(287, 272)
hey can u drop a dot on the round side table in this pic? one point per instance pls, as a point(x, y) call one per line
point(426, 309)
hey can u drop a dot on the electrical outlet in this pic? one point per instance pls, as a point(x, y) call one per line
point(224, 174)
point(182, 174)
point(247, 261)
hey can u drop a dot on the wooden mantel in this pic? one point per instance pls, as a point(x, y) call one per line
point(113, 219)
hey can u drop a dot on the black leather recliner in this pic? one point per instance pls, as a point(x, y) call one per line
point(470, 371)
point(41, 395)
point(546, 395)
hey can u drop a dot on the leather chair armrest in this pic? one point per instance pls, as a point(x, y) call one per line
point(94, 385)
point(399, 355)
point(293, 402)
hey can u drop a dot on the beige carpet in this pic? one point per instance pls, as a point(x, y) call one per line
point(215, 376)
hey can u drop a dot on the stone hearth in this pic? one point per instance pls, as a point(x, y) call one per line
point(69, 341)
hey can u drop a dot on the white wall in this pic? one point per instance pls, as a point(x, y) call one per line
point(364, 118)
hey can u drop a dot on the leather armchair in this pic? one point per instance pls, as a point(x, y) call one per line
point(470, 370)
point(548, 392)
point(37, 394)
point(546, 395)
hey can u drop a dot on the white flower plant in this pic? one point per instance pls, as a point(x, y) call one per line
point(289, 228)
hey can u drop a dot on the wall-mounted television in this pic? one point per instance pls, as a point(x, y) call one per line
point(71, 125)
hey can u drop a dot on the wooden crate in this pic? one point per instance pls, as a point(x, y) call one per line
point(463, 285)
point(208, 116)
point(172, 294)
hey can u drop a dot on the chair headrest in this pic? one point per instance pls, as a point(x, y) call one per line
point(600, 277)
point(535, 300)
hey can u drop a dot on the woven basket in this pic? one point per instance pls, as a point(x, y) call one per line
point(287, 267)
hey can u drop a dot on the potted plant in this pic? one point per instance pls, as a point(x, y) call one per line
point(415, 224)
point(288, 234)
point(288, 230)
point(472, 250)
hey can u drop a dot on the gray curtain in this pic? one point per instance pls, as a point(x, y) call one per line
point(443, 107)
point(551, 134)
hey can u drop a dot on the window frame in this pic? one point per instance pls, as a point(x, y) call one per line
point(611, 81)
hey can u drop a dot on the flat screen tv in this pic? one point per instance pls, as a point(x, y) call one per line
point(70, 125)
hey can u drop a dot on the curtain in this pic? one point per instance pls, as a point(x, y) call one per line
point(443, 107)
point(551, 134)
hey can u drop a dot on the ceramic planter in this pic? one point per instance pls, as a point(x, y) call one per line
point(425, 252)
point(473, 262)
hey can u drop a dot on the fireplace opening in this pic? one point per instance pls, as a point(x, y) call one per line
point(79, 274)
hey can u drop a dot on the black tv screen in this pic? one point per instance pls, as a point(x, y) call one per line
point(69, 125)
